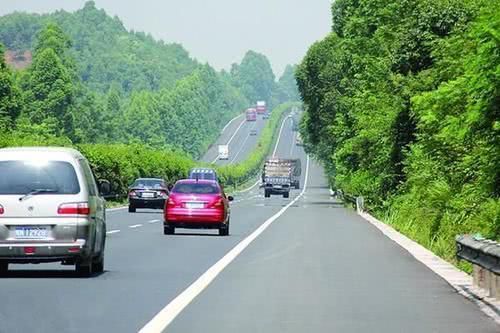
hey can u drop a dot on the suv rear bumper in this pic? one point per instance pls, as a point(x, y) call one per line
point(43, 251)
point(147, 203)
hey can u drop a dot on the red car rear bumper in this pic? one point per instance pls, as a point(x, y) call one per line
point(186, 217)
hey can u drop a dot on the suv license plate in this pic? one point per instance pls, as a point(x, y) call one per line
point(32, 232)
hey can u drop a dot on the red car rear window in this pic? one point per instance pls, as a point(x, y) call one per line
point(196, 188)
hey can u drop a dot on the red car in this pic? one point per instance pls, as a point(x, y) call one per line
point(197, 204)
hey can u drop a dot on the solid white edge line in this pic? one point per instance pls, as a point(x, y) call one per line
point(229, 122)
point(161, 320)
point(460, 281)
point(279, 135)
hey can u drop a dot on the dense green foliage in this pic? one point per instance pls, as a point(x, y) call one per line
point(103, 49)
point(402, 105)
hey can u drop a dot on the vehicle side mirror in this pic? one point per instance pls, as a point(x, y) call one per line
point(104, 187)
point(230, 198)
point(170, 187)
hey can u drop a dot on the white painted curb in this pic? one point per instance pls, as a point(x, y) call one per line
point(459, 280)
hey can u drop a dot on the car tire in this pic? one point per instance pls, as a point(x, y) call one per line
point(267, 194)
point(4, 268)
point(168, 230)
point(131, 209)
point(286, 195)
point(84, 268)
point(224, 230)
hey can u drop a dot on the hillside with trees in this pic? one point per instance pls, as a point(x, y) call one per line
point(402, 106)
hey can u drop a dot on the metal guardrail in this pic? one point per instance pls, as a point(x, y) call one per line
point(485, 258)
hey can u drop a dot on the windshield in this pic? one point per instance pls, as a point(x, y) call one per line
point(150, 183)
point(22, 177)
point(194, 188)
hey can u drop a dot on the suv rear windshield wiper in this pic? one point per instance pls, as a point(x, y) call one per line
point(38, 191)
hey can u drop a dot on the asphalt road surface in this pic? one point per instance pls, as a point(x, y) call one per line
point(318, 267)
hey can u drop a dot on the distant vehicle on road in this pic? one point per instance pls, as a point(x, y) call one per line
point(261, 107)
point(298, 140)
point(279, 175)
point(253, 132)
point(203, 174)
point(147, 193)
point(251, 114)
point(223, 152)
point(51, 209)
point(197, 204)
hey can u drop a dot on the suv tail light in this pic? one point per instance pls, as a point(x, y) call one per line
point(163, 194)
point(132, 194)
point(1, 210)
point(74, 208)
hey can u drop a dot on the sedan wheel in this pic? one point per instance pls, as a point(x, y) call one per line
point(4, 268)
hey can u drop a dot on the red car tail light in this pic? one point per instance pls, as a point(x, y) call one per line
point(217, 203)
point(1, 210)
point(74, 208)
point(171, 203)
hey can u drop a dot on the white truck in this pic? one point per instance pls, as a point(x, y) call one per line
point(223, 152)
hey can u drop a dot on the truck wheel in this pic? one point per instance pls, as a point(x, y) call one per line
point(297, 185)
point(286, 195)
point(131, 209)
point(267, 194)
point(168, 230)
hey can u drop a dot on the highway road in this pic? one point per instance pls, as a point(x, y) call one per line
point(304, 264)
point(237, 136)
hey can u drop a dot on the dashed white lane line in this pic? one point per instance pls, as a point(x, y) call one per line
point(112, 232)
point(279, 135)
point(135, 226)
point(154, 221)
point(169, 312)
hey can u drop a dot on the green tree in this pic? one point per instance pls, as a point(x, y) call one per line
point(10, 105)
point(254, 76)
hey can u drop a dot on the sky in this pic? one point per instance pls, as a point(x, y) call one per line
point(215, 31)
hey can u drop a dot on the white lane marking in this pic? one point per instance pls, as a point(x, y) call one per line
point(112, 232)
point(169, 312)
point(154, 221)
point(135, 226)
point(232, 137)
point(279, 136)
point(242, 145)
point(229, 122)
point(293, 144)
point(251, 187)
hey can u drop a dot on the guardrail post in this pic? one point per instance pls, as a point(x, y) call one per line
point(360, 204)
point(476, 275)
point(492, 288)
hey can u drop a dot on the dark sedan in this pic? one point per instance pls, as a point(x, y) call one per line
point(147, 193)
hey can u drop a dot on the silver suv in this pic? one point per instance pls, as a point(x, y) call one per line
point(50, 209)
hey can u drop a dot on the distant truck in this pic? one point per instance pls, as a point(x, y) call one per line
point(251, 114)
point(280, 175)
point(261, 107)
point(223, 152)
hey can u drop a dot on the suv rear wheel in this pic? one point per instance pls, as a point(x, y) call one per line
point(267, 193)
point(98, 263)
point(131, 209)
point(84, 268)
point(286, 194)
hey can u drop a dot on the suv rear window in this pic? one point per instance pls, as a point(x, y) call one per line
point(21, 177)
point(196, 188)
